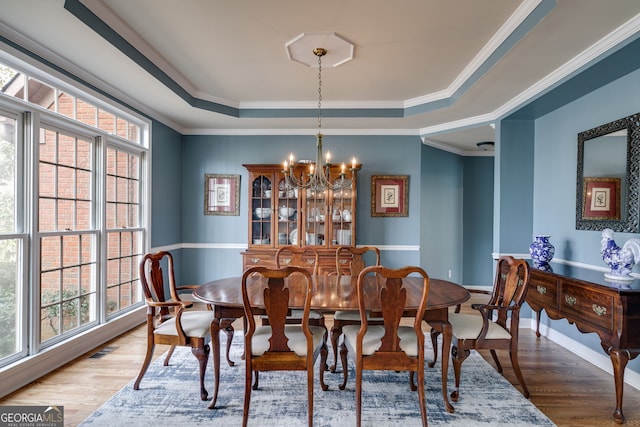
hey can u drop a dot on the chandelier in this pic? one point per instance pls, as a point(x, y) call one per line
point(318, 176)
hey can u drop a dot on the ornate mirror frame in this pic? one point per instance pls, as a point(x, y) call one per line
point(629, 205)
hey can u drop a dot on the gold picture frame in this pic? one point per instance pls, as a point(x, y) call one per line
point(221, 194)
point(390, 195)
point(601, 198)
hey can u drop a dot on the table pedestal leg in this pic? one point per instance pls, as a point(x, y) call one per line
point(215, 344)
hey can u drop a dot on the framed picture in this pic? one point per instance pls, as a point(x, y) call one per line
point(390, 195)
point(221, 194)
point(601, 198)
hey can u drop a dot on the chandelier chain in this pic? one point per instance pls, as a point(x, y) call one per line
point(319, 176)
point(319, 93)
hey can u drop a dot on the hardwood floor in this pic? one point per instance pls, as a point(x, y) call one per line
point(567, 389)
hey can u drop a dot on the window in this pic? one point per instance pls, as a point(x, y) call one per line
point(68, 256)
point(71, 184)
point(124, 235)
point(12, 244)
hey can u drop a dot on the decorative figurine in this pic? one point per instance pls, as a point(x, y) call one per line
point(619, 259)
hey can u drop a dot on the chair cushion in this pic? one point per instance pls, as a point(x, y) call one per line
point(195, 324)
point(297, 341)
point(468, 326)
point(353, 315)
point(373, 339)
point(297, 314)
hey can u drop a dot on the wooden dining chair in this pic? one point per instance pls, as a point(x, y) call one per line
point(390, 346)
point(484, 330)
point(306, 257)
point(185, 292)
point(350, 261)
point(279, 345)
point(168, 321)
point(298, 256)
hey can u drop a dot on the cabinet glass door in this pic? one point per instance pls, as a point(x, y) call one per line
point(262, 211)
point(315, 217)
point(287, 213)
point(342, 217)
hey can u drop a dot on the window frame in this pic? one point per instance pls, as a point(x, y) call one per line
point(21, 236)
point(30, 118)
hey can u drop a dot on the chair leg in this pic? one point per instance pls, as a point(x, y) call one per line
point(326, 339)
point(345, 372)
point(513, 354)
point(496, 360)
point(434, 341)
point(169, 354)
point(457, 357)
point(336, 331)
point(324, 353)
point(412, 383)
point(358, 395)
point(421, 398)
point(255, 384)
point(247, 393)
point(228, 329)
point(145, 364)
point(202, 354)
point(310, 385)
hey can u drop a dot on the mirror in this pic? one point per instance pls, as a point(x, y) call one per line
point(608, 181)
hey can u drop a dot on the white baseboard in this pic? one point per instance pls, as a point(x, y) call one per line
point(28, 369)
point(596, 358)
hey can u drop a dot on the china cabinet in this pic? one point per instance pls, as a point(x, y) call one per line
point(280, 215)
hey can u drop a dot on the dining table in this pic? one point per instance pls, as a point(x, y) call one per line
point(331, 293)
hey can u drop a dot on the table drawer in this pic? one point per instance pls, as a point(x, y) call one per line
point(582, 305)
point(263, 260)
point(543, 293)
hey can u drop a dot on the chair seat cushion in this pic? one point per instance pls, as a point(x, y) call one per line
point(373, 339)
point(352, 315)
point(297, 341)
point(468, 326)
point(195, 324)
point(297, 314)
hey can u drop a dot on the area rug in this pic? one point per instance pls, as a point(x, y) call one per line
point(169, 396)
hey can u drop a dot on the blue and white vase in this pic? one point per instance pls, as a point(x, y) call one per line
point(542, 251)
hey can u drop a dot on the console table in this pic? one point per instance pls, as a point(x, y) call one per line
point(593, 304)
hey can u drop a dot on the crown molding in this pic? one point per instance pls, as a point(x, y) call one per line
point(36, 58)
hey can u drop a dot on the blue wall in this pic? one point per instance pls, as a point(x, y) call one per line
point(547, 146)
point(166, 181)
point(212, 243)
point(513, 186)
point(437, 203)
point(441, 214)
point(556, 150)
point(477, 221)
